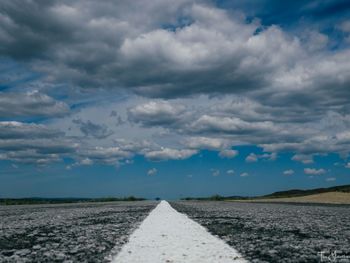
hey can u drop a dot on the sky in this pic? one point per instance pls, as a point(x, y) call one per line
point(172, 99)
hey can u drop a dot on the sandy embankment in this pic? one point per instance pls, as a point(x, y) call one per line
point(323, 198)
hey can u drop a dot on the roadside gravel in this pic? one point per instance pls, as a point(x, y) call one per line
point(276, 232)
point(86, 232)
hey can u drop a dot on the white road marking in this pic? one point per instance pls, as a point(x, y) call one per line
point(168, 236)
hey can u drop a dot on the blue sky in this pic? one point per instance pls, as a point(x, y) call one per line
point(174, 179)
point(173, 98)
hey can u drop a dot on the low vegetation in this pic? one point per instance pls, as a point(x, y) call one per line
point(38, 200)
point(294, 193)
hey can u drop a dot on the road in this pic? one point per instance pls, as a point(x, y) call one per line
point(180, 232)
point(169, 236)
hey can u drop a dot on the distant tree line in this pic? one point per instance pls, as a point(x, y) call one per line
point(38, 200)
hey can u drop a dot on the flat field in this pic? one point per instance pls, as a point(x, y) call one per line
point(322, 198)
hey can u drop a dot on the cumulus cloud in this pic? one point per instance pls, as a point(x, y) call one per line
point(230, 172)
point(169, 154)
point(20, 130)
point(33, 143)
point(30, 156)
point(288, 172)
point(313, 171)
point(228, 153)
point(204, 50)
point(30, 104)
point(206, 143)
point(244, 174)
point(268, 156)
point(195, 63)
point(152, 171)
point(156, 113)
point(331, 179)
point(89, 128)
point(230, 125)
point(86, 161)
point(305, 159)
point(215, 172)
point(105, 155)
point(251, 158)
point(284, 91)
point(135, 146)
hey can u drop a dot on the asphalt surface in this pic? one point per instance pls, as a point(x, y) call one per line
point(68, 233)
point(95, 232)
point(277, 232)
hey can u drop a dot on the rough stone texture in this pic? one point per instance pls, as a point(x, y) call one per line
point(86, 232)
point(276, 232)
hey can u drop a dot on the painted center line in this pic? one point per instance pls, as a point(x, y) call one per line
point(169, 236)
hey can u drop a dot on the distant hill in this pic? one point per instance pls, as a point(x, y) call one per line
point(39, 200)
point(298, 192)
point(279, 194)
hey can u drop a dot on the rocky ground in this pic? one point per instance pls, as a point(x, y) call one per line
point(277, 232)
point(86, 232)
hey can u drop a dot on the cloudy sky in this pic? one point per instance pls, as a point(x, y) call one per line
point(173, 98)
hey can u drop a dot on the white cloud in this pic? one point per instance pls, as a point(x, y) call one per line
point(215, 172)
point(230, 172)
point(244, 174)
point(233, 125)
point(288, 172)
point(228, 153)
point(251, 158)
point(263, 72)
point(30, 104)
point(152, 171)
point(21, 130)
point(331, 179)
point(155, 113)
point(169, 154)
point(206, 143)
point(86, 161)
point(105, 155)
point(305, 159)
point(314, 171)
point(268, 156)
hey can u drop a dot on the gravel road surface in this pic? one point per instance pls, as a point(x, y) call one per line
point(86, 232)
point(276, 232)
point(93, 232)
